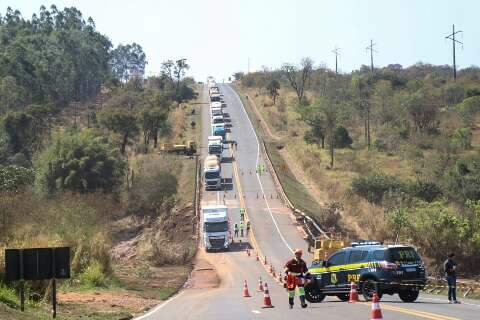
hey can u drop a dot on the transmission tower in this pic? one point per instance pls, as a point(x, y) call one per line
point(370, 47)
point(454, 42)
point(337, 53)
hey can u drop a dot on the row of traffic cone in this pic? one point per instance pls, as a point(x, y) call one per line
point(271, 268)
point(262, 287)
point(376, 313)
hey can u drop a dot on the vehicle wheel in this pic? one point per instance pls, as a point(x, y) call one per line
point(343, 296)
point(368, 288)
point(409, 295)
point(312, 294)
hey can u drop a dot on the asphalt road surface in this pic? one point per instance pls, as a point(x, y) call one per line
point(220, 297)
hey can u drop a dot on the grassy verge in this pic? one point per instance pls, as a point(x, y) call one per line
point(153, 254)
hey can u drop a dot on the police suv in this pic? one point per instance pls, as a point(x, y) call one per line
point(385, 269)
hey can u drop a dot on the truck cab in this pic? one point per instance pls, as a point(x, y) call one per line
point(218, 129)
point(215, 98)
point(216, 227)
point(216, 112)
point(215, 104)
point(212, 173)
point(218, 120)
point(215, 147)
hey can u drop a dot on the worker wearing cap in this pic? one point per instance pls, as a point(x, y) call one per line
point(295, 269)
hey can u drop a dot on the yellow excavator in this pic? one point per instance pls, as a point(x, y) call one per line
point(324, 247)
point(189, 148)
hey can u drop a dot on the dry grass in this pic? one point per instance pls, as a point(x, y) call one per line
point(334, 182)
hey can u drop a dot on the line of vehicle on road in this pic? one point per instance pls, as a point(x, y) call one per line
point(215, 218)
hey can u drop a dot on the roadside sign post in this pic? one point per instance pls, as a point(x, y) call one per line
point(22, 284)
point(37, 264)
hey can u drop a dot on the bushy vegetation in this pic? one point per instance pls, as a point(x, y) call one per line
point(75, 114)
point(402, 142)
point(79, 162)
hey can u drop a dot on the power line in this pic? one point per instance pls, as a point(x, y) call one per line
point(370, 47)
point(454, 42)
point(336, 52)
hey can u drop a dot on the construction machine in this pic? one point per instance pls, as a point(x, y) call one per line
point(189, 148)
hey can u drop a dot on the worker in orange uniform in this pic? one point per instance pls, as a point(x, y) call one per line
point(295, 270)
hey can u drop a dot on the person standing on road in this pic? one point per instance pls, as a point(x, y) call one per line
point(242, 214)
point(242, 227)
point(295, 270)
point(450, 268)
point(248, 227)
point(235, 229)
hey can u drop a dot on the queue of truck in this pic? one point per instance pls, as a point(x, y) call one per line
point(216, 224)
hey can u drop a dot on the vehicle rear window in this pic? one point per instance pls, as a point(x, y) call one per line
point(403, 255)
point(357, 256)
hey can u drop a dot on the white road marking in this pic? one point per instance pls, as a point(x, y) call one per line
point(160, 306)
point(258, 176)
point(256, 311)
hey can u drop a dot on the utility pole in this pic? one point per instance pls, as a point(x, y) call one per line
point(454, 42)
point(370, 47)
point(336, 52)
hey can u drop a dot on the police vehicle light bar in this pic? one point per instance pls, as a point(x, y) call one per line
point(365, 243)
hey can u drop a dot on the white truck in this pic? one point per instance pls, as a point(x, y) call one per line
point(212, 173)
point(216, 227)
point(218, 119)
point(216, 112)
point(215, 146)
point(215, 105)
point(215, 98)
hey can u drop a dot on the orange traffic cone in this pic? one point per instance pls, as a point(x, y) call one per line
point(258, 259)
point(267, 302)
point(260, 285)
point(376, 311)
point(246, 294)
point(353, 293)
point(265, 261)
point(270, 268)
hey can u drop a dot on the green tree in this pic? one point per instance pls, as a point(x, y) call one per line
point(342, 137)
point(330, 108)
point(127, 61)
point(79, 162)
point(14, 178)
point(313, 116)
point(273, 87)
point(120, 121)
point(153, 121)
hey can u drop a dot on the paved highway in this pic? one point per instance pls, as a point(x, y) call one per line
point(205, 298)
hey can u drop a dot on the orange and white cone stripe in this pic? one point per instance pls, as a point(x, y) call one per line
point(376, 311)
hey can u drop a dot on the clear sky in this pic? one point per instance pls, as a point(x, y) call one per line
point(218, 36)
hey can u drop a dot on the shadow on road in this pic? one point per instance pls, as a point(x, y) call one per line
point(240, 245)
